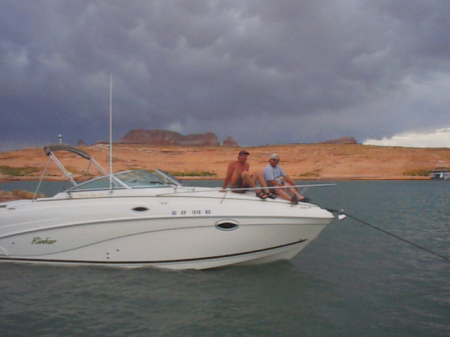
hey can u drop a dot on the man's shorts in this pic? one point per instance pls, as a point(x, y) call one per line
point(274, 190)
point(239, 183)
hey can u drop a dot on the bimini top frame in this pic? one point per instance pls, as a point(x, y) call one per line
point(49, 149)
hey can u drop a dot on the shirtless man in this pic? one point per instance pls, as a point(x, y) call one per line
point(239, 177)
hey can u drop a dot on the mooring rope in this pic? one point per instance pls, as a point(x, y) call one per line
point(342, 212)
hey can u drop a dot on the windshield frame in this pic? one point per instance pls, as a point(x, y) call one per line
point(133, 179)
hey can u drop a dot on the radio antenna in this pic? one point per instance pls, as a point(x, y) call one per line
point(110, 134)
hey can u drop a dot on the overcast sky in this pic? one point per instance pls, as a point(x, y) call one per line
point(262, 72)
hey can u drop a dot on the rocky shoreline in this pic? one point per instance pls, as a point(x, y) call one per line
point(300, 161)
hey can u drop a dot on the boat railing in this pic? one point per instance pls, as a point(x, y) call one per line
point(238, 190)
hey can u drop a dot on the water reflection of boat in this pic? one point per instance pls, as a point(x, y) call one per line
point(141, 218)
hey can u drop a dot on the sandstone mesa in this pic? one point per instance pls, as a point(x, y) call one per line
point(166, 137)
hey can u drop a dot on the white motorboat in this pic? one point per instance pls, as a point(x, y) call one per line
point(141, 218)
point(440, 173)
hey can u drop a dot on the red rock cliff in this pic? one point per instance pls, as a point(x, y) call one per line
point(166, 137)
point(342, 140)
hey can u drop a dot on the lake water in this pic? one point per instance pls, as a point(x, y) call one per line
point(351, 281)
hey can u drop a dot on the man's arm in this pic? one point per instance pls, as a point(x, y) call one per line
point(290, 181)
point(228, 176)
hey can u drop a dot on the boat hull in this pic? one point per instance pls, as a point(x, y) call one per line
point(163, 232)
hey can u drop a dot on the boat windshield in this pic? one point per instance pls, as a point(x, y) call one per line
point(142, 178)
point(123, 180)
point(167, 178)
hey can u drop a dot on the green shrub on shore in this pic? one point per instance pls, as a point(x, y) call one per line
point(417, 173)
point(192, 174)
point(18, 194)
point(18, 171)
point(310, 174)
point(26, 194)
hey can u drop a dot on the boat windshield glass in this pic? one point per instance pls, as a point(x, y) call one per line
point(123, 180)
point(141, 178)
point(167, 178)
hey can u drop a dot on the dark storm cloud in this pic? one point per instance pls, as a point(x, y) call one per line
point(260, 71)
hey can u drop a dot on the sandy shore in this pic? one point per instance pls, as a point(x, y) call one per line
point(301, 161)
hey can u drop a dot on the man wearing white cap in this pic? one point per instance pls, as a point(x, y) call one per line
point(273, 174)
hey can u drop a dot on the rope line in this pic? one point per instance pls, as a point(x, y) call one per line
point(393, 235)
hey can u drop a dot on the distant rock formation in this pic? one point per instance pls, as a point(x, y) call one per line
point(230, 142)
point(342, 140)
point(166, 137)
point(81, 142)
